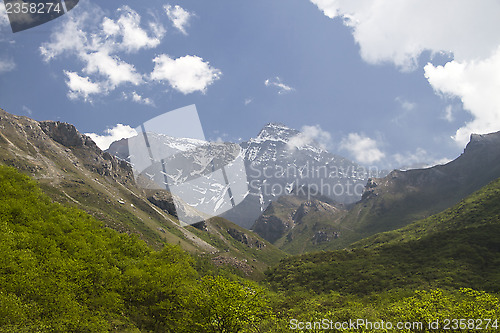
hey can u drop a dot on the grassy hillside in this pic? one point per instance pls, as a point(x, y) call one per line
point(457, 248)
point(63, 271)
point(428, 272)
point(480, 209)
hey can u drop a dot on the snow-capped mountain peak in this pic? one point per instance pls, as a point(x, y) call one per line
point(275, 132)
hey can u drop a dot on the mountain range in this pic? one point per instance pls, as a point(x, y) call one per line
point(63, 270)
point(278, 161)
point(387, 203)
point(72, 169)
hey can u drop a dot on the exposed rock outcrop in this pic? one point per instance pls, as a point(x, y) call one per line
point(244, 238)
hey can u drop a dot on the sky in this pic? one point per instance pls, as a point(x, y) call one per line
point(384, 83)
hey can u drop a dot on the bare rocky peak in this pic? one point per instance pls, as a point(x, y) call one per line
point(50, 147)
point(66, 134)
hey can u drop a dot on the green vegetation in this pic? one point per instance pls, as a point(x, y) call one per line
point(480, 209)
point(62, 271)
point(413, 311)
point(258, 252)
point(421, 273)
point(456, 248)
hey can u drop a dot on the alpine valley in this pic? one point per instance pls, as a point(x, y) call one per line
point(87, 245)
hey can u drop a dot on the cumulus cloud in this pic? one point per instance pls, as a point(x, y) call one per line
point(389, 31)
point(278, 83)
point(179, 17)
point(362, 148)
point(4, 19)
point(477, 84)
point(111, 135)
point(81, 87)
point(129, 33)
point(116, 71)
point(310, 135)
point(185, 74)
point(97, 41)
point(7, 65)
point(399, 31)
point(100, 44)
point(134, 96)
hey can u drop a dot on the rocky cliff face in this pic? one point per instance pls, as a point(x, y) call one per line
point(84, 147)
point(298, 224)
point(478, 165)
point(49, 147)
point(66, 134)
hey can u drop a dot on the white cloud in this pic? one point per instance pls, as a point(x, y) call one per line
point(131, 36)
point(115, 70)
point(399, 31)
point(98, 41)
point(405, 104)
point(27, 110)
point(362, 148)
point(179, 17)
point(185, 74)
point(278, 83)
point(4, 19)
point(71, 38)
point(310, 135)
point(134, 96)
point(116, 133)
point(248, 101)
point(81, 87)
point(477, 84)
point(448, 114)
point(7, 65)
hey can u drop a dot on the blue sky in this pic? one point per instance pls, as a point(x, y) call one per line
point(383, 83)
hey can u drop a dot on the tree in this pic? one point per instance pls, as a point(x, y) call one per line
point(230, 306)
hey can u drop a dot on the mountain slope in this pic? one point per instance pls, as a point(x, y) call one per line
point(480, 209)
point(72, 170)
point(61, 270)
point(456, 248)
point(299, 224)
point(403, 197)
